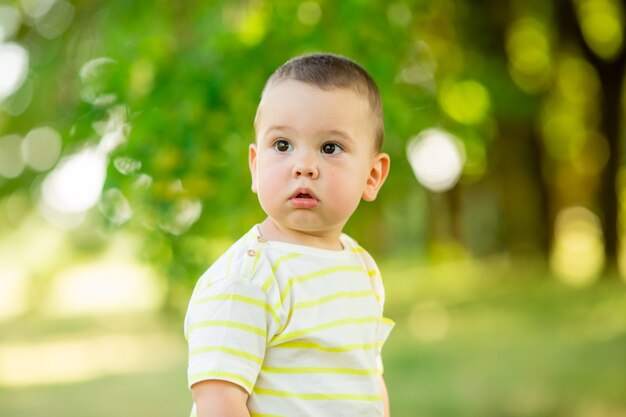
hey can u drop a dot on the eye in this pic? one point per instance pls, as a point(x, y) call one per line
point(282, 145)
point(331, 148)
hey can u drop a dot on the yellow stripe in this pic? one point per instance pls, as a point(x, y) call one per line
point(311, 345)
point(286, 394)
point(220, 374)
point(269, 280)
point(225, 323)
point(388, 322)
point(341, 294)
point(358, 249)
point(284, 258)
point(317, 274)
point(372, 273)
point(329, 325)
point(243, 299)
point(314, 370)
point(230, 351)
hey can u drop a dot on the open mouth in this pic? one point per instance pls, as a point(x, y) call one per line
point(303, 198)
point(303, 193)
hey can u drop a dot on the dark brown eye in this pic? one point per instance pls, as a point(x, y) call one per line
point(331, 148)
point(282, 146)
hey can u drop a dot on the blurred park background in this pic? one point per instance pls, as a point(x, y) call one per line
point(124, 129)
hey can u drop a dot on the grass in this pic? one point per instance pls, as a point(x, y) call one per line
point(156, 388)
point(150, 394)
point(514, 346)
point(470, 340)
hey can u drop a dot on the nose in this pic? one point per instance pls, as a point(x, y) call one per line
point(305, 166)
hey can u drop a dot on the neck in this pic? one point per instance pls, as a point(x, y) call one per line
point(271, 230)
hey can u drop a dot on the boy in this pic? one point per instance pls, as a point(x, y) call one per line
point(288, 322)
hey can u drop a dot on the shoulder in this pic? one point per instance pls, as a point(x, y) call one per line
point(245, 261)
point(235, 278)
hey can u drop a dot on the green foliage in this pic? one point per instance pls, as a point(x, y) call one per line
point(188, 77)
point(185, 78)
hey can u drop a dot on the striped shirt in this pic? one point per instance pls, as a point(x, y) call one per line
point(299, 328)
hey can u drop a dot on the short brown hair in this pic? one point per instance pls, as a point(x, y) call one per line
point(328, 71)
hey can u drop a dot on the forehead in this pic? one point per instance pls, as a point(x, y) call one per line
point(306, 107)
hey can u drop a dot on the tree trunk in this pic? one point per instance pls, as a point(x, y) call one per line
point(611, 75)
point(526, 219)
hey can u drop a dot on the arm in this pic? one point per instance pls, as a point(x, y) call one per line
point(383, 391)
point(216, 398)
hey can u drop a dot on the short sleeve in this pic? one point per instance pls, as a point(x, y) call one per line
point(383, 328)
point(384, 325)
point(227, 327)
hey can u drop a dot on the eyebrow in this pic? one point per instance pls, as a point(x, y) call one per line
point(277, 127)
point(334, 132)
point(340, 133)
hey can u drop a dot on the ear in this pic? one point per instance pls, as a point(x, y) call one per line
point(378, 175)
point(252, 153)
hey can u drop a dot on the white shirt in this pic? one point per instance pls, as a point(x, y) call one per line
point(299, 328)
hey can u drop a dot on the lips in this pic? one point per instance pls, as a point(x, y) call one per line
point(303, 198)
point(303, 192)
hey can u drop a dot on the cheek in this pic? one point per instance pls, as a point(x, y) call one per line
point(345, 188)
point(269, 174)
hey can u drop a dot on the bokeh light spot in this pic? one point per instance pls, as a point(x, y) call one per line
point(56, 19)
point(253, 25)
point(14, 68)
point(399, 14)
point(126, 165)
point(420, 70)
point(577, 80)
point(141, 78)
point(602, 24)
point(183, 214)
point(465, 101)
point(10, 21)
point(113, 130)
point(94, 75)
point(41, 148)
point(528, 49)
point(115, 206)
point(36, 8)
point(577, 256)
point(74, 186)
point(309, 13)
point(436, 158)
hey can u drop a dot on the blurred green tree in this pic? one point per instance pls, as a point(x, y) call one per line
point(164, 96)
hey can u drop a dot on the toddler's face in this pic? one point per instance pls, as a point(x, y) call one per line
point(314, 156)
